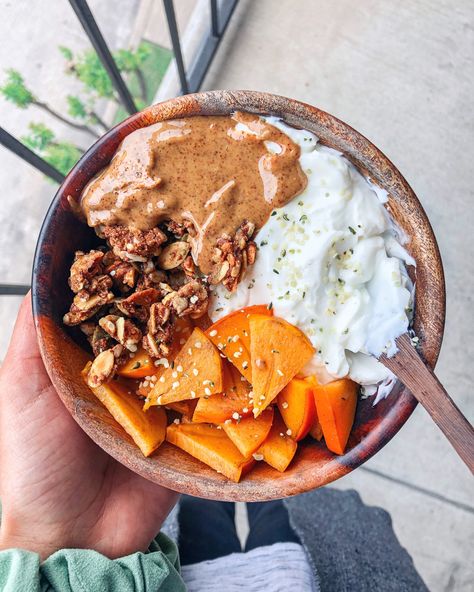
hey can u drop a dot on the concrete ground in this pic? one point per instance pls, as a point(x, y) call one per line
point(400, 73)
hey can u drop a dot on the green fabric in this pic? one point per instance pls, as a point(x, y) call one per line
point(82, 570)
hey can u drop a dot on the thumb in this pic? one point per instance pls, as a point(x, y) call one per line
point(23, 346)
point(22, 373)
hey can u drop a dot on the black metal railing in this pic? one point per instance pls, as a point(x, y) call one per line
point(190, 80)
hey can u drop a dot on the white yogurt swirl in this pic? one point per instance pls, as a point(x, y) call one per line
point(331, 262)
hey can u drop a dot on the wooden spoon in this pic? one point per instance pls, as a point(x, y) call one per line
point(408, 366)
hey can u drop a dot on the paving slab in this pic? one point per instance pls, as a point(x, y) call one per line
point(440, 537)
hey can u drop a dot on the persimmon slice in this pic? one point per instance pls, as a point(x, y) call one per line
point(234, 399)
point(142, 364)
point(211, 446)
point(196, 372)
point(250, 432)
point(278, 351)
point(297, 408)
point(336, 405)
point(231, 335)
point(147, 429)
point(139, 366)
point(278, 449)
point(186, 408)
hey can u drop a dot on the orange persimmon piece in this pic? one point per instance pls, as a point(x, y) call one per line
point(139, 366)
point(196, 372)
point(250, 432)
point(278, 351)
point(231, 335)
point(211, 446)
point(278, 449)
point(142, 364)
point(186, 408)
point(234, 399)
point(336, 405)
point(297, 408)
point(147, 429)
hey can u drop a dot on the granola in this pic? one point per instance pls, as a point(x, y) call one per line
point(233, 255)
point(86, 267)
point(129, 293)
point(99, 340)
point(104, 365)
point(131, 244)
point(159, 330)
point(122, 330)
point(173, 255)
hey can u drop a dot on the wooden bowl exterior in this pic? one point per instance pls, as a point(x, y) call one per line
point(314, 465)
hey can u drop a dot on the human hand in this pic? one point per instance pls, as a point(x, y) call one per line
point(58, 489)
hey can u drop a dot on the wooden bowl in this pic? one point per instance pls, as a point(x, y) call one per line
point(63, 352)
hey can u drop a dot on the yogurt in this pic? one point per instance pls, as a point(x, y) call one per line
point(331, 262)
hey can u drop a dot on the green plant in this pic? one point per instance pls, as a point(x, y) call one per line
point(132, 61)
point(145, 67)
point(15, 90)
point(78, 109)
point(61, 155)
point(88, 68)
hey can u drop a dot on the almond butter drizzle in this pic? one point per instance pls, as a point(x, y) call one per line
point(209, 170)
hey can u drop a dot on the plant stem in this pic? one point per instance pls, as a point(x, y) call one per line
point(79, 126)
point(80, 148)
point(100, 122)
point(142, 84)
point(113, 97)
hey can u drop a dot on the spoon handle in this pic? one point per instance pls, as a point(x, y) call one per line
point(427, 389)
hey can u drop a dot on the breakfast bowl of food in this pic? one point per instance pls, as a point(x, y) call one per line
point(214, 283)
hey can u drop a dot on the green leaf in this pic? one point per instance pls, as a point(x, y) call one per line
point(39, 138)
point(66, 52)
point(140, 103)
point(89, 70)
point(29, 142)
point(15, 90)
point(142, 53)
point(76, 108)
point(128, 60)
point(63, 156)
point(125, 60)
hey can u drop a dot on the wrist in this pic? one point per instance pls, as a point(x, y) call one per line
point(11, 539)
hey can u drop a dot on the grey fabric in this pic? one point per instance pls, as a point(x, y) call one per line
point(352, 547)
point(170, 526)
point(281, 567)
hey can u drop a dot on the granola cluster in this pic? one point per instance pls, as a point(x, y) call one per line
point(130, 293)
point(233, 255)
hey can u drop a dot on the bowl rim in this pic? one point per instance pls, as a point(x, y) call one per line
point(288, 109)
